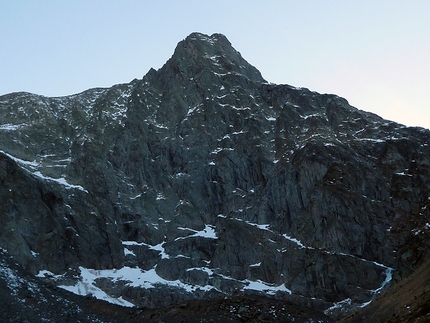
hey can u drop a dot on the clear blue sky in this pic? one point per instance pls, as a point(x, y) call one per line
point(374, 53)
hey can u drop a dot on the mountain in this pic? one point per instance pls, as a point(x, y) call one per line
point(202, 182)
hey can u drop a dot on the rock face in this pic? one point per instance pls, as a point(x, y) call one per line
point(203, 180)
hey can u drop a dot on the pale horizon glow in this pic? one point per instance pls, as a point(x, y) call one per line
point(376, 54)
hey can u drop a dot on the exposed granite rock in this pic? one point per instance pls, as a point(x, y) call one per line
point(216, 181)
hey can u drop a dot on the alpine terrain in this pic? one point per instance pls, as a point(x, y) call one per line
point(203, 193)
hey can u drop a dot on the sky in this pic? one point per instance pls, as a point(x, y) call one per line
point(376, 53)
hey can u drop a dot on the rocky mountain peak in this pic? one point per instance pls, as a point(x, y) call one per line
point(200, 53)
point(201, 180)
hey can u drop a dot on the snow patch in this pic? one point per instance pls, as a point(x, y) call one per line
point(160, 196)
point(265, 287)
point(403, 174)
point(135, 197)
point(371, 140)
point(260, 226)
point(297, 242)
point(45, 273)
point(134, 277)
point(133, 243)
point(61, 181)
point(10, 127)
point(338, 305)
point(86, 285)
point(129, 252)
point(208, 232)
point(159, 247)
point(32, 164)
point(205, 269)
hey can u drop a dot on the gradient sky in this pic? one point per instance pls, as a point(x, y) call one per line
point(375, 53)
